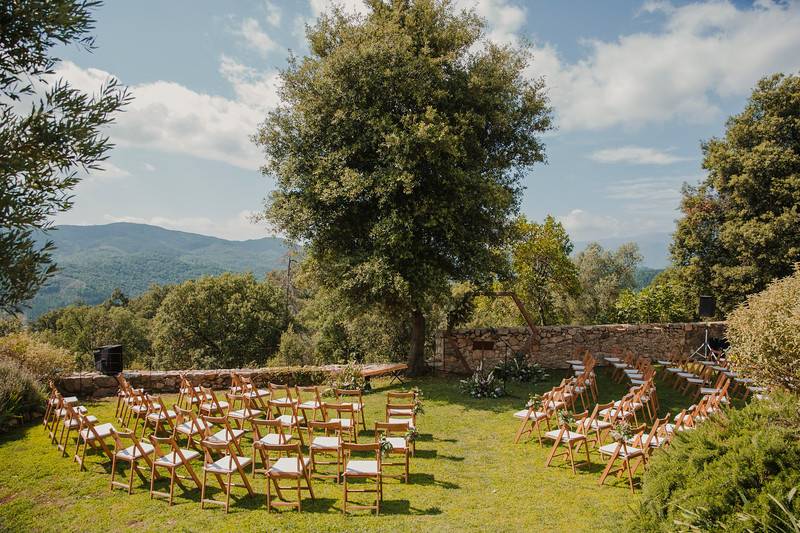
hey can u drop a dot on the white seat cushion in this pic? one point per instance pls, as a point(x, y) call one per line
point(568, 436)
point(73, 423)
point(675, 369)
point(70, 400)
point(187, 428)
point(345, 422)
point(709, 390)
point(325, 443)
point(362, 467)
point(534, 415)
point(173, 459)
point(620, 365)
point(284, 401)
point(664, 362)
point(687, 374)
point(614, 413)
point(271, 439)
point(153, 417)
point(312, 404)
point(356, 406)
point(258, 393)
point(132, 452)
point(288, 465)
point(224, 436)
point(243, 414)
point(406, 421)
point(609, 449)
point(102, 431)
point(574, 362)
point(595, 424)
point(211, 407)
point(226, 465)
point(406, 412)
point(697, 381)
point(398, 443)
point(612, 359)
point(289, 420)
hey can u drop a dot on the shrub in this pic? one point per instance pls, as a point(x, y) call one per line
point(295, 349)
point(482, 385)
point(40, 358)
point(725, 474)
point(292, 375)
point(518, 368)
point(348, 377)
point(20, 394)
point(9, 324)
point(764, 333)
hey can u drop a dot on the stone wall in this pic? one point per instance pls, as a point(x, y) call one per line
point(551, 346)
point(94, 384)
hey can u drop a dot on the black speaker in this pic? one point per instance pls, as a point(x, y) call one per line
point(108, 359)
point(708, 306)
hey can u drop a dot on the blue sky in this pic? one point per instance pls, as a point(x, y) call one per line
point(635, 85)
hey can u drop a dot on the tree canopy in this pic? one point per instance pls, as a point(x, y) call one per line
point(48, 131)
point(739, 228)
point(398, 151)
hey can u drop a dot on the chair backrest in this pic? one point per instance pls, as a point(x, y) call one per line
point(236, 382)
point(350, 448)
point(278, 390)
point(400, 397)
point(183, 416)
point(312, 391)
point(211, 397)
point(327, 428)
point(341, 394)
point(172, 447)
point(234, 399)
point(390, 429)
point(263, 427)
point(342, 410)
point(120, 437)
point(289, 450)
point(220, 421)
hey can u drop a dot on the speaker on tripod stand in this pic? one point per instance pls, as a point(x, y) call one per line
point(707, 308)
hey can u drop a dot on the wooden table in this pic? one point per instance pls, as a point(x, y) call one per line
point(395, 370)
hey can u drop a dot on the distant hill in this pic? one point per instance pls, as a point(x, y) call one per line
point(94, 260)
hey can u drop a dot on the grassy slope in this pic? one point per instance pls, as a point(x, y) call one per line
point(467, 475)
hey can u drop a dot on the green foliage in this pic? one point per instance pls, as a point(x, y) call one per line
point(398, 151)
point(482, 385)
point(603, 275)
point(43, 360)
point(645, 275)
point(9, 324)
point(294, 375)
point(43, 143)
point(544, 272)
point(20, 394)
point(227, 321)
point(739, 226)
point(295, 349)
point(518, 368)
point(82, 328)
point(494, 312)
point(724, 471)
point(764, 333)
point(348, 377)
point(666, 299)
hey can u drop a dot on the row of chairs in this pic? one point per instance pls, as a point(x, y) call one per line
point(218, 437)
point(705, 377)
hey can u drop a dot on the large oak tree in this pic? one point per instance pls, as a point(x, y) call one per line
point(398, 152)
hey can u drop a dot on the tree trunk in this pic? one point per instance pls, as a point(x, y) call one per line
point(416, 357)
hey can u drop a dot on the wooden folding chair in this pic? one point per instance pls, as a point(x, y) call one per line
point(211, 405)
point(226, 435)
point(280, 396)
point(594, 424)
point(345, 416)
point(71, 420)
point(572, 440)
point(329, 443)
point(94, 436)
point(158, 416)
point(223, 469)
point(266, 433)
point(137, 451)
point(139, 409)
point(354, 397)
point(189, 394)
point(366, 469)
point(531, 419)
point(620, 450)
point(293, 467)
point(287, 414)
point(396, 434)
point(245, 412)
point(256, 395)
point(309, 399)
point(172, 459)
point(188, 424)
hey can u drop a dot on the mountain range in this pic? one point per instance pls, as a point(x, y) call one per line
point(94, 260)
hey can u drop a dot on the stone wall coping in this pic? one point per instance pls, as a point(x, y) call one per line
point(622, 327)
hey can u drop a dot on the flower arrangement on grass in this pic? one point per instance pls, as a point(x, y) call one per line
point(518, 368)
point(482, 385)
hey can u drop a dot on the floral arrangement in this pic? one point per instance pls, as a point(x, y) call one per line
point(621, 431)
point(418, 407)
point(482, 385)
point(565, 418)
point(535, 401)
point(412, 434)
point(348, 377)
point(386, 446)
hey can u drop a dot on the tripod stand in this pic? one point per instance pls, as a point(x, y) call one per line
point(705, 349)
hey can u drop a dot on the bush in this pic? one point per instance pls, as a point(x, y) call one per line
point(725, 474)
point(348, 377)
point(43, 360)
point(482, 385)
point(295, 349)
point(20, 394)
point(764, 334)
point(291, 375)
point(518, 368)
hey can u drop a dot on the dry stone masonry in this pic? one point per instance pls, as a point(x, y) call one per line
point(551, 346)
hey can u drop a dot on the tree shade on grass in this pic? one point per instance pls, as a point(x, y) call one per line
point(467, 475)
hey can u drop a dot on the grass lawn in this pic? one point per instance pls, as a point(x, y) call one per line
point(467, 475)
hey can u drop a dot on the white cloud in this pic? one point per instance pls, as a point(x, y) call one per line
point(239, 227)
point(169, 117)
point(108, 172)
point(635, 155)
point(704, 51)
point(252, 34)
point(148, 167)
point(503, 19)
point(274, 13)
point(584, 226)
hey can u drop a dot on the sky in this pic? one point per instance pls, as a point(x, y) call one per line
point(635, 86)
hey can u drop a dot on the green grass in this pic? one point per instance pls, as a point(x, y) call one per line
point(467, 475)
